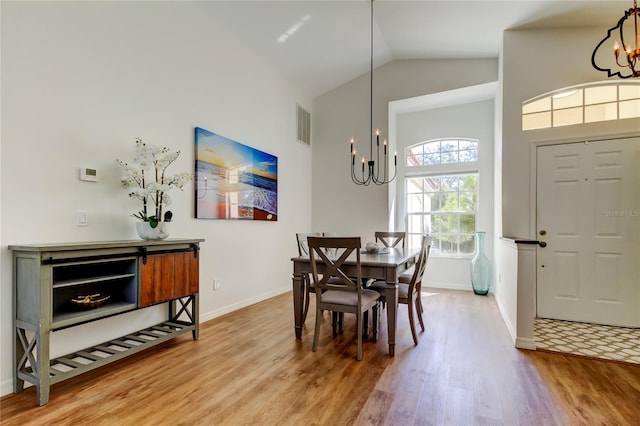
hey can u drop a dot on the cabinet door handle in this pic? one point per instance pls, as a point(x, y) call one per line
point(542, 244)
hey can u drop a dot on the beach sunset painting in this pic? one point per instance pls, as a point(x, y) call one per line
point(233, 180)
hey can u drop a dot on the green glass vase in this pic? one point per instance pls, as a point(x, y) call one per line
point(480, 268)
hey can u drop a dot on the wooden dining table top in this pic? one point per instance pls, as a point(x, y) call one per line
point(385, 257)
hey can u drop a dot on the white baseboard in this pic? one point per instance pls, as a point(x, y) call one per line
point(447, 286)
point(6, 387)
point(525, 343)
point(505, 319)
point(204, 317)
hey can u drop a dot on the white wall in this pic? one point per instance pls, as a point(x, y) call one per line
point(338, 204)
point(506, 287)
point(82, 80)
point(471, 120)
point(562, 59)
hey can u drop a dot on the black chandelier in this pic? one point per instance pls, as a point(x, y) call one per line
point(371, 173)
point(630, 49)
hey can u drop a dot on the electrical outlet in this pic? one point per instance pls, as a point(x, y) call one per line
point(216, 284)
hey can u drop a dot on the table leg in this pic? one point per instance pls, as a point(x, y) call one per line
point(391, 296)
point(297, 303)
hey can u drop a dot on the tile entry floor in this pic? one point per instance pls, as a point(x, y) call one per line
point(589, 340)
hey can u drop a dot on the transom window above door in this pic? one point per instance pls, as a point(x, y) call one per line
point(587, 103)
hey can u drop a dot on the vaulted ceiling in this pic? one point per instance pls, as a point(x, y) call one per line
point(319, 45)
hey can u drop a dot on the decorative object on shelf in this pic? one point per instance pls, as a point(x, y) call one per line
point(372, 173)
point(147, 232)
point(233, 180)
point(630, 48)
point(151, 184)
point(91, 301)
point(480, 268)
point(372, 247)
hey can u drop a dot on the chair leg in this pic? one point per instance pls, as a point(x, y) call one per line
point(317, 329)
point(306, 285)
point(375, 321)
point(365, 324)
point(412, 323)
point(419, 310)
point(359, 331)
point(334, 323)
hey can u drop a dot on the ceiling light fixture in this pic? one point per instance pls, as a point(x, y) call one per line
point(371, 173)
point(630, 49)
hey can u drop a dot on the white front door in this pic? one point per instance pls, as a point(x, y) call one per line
point(588, 201)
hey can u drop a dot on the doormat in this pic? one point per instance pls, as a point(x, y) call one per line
point(588, 340)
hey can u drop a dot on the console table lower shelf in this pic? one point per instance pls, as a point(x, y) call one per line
point(96, 356)
point(82, 361)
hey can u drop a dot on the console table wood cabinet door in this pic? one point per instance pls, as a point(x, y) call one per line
point(168, 276)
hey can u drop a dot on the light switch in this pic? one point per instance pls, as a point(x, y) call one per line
point(82, 218)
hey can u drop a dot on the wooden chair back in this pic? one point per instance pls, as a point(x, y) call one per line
point(327, 255)
point(303, 245)
point(391, 239)
point(421, 264)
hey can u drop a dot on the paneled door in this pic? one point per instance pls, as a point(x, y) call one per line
point(588, 215)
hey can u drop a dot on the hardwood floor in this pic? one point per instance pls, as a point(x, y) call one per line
point(247, 368)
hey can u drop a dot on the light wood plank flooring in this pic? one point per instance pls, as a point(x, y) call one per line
point(248, 369)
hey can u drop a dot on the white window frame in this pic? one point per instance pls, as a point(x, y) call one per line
point(418, 171)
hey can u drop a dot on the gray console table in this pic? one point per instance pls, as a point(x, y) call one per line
point(133, 274)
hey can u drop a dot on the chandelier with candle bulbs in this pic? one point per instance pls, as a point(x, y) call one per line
point(627, 49)
point(371, 168)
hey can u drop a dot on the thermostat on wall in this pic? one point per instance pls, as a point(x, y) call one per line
point(89, 174)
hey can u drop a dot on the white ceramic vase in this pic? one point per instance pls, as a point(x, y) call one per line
point(146, 232)
point(372, 247)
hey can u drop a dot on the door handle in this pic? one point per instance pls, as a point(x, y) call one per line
point(542, 244)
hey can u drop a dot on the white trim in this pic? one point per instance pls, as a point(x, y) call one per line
point(6, 387)
point(242, 304)
point(524, 343)
point(505, 319)
point(448, 286)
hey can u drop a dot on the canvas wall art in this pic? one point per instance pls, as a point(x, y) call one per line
point(233, 180)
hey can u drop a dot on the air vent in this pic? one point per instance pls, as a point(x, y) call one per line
point(303, 120)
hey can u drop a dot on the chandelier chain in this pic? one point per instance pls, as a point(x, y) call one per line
point(371, 173)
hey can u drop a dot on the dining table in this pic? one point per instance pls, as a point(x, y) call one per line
point(385, 265)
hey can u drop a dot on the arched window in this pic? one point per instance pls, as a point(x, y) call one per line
point(587, 103)
point(442, 151)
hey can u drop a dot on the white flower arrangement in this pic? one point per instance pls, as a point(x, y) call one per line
point(150, 182)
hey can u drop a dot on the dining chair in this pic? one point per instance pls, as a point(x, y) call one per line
point(390, 239)
point(307, 285)
point(327, 256)
point(410, 288)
